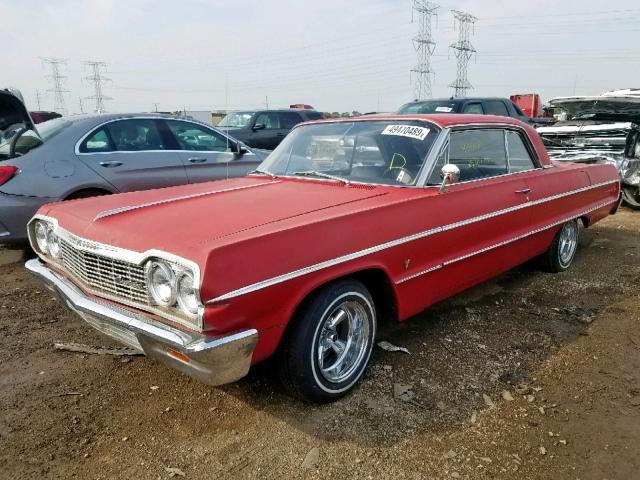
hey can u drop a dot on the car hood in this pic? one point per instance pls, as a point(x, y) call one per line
point(603, 108)
point(192, 219)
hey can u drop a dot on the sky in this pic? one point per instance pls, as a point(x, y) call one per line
point(336, 55)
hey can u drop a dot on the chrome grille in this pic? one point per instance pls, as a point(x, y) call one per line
point(105, 274)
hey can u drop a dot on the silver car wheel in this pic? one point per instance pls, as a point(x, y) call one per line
point(343, 340)
point(567, 243)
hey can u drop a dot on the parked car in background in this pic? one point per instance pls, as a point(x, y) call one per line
point(42, 116)
point(477, 106)
point(600, 129)
point(265, 128)
point(347, 223)
point(82, 156)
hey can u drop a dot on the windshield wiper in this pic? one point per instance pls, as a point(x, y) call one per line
point(264, 172)
point(315, 173)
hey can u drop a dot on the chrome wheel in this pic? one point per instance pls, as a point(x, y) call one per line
point(567, 243)
point(343, 339)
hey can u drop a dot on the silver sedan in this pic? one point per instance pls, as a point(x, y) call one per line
point(82, 156)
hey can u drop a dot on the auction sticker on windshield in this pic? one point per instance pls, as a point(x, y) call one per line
point(419, 133)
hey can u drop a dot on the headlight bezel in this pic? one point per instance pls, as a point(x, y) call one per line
point(178, 271)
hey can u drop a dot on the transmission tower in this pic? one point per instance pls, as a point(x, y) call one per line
point(424, 46)
point(463, 51)
point(98, 82)
point(57, 83)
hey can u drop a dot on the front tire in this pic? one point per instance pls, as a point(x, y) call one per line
point(329, 343)
point(563, 249)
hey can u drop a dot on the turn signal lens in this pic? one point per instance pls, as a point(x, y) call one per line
point(6, 173)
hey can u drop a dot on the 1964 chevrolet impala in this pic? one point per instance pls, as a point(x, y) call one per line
point(347, 222)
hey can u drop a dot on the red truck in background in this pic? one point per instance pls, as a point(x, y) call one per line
point(529, 103)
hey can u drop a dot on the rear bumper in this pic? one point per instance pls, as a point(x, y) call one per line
point(15, 213)
point(214, 360)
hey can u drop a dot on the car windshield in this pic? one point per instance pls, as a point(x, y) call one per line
point(236, 119)
point(51, 128)
point(389, 152)
point(431, 106)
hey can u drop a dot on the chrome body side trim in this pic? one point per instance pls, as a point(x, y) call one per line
point(394, 243)
point(215, 360)
point(130, 256)
point(116, 211)
point(503, 243)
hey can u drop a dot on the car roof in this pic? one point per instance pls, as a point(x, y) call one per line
point(442, 119)
point(457, 99)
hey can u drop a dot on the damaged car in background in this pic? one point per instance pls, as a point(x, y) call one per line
point(602, 129)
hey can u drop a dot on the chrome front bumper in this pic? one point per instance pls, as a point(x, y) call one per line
point(214, 360)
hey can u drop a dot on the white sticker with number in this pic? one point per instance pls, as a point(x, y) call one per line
point(419, 133)
point(444, 109)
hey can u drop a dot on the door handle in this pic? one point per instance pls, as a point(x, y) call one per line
point(280, 134)
point(197, 159)
point(110, 164)
point(524, 191)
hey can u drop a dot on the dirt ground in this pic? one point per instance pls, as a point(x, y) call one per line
point(532, 375)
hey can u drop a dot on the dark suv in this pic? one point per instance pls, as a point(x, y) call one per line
point(264, 128)
point(481, 106)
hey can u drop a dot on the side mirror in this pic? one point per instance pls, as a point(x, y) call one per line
point(450, 173)
point(239, 149)
point(259, 126)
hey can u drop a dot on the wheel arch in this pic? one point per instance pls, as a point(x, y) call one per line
point(78, 193)
point(375, 279)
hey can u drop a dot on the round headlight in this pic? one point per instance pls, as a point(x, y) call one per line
point(42, 237)
point(187, 299)
point(53, 243)
point(161, 282)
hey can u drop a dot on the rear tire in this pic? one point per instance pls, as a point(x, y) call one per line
point(328, 345)
point(563, 248)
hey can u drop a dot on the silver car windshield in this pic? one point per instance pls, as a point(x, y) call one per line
point(389, 152)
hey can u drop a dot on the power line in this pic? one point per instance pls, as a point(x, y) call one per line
point(57, 81)
point(98, 82)
point(464, 50)
point(424, 46)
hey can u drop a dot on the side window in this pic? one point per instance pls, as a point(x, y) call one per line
point(519, 157)
point(191, 136)
point(270, 120)
point(289, 119)
point(474, 108)
point(136, 135)
point(97, 142)
point(478, 153)
point(443, 158)
point(495, 107)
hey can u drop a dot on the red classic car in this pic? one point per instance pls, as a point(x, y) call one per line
point(346, 223)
